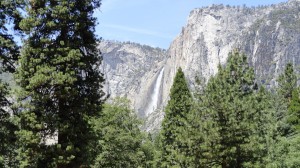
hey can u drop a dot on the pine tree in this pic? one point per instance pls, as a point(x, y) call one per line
point(280, 107)
point(9, 51)
point(231, 119)
point(194, 137)
point(293, 118)
point(7, 128)
point(287, 82)
point(287, 152)
point(174, 125)
point(150, 151)
point(286, 148)
point(60, 83)
point(120, 139)
point(267, 128)
point(8, 55)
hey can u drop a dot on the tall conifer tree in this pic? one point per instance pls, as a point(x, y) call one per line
point(9, 53)
point(174, 125)
point(287, 146)
point(287, 89)
point(287, 82)
point(61, 83)
point(232, 119)
point(294, 112)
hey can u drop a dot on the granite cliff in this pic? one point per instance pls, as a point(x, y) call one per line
point(269, 35)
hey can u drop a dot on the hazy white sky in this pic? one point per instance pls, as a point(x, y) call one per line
point(153, 22)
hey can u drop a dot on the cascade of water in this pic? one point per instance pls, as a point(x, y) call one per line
point(153, 103)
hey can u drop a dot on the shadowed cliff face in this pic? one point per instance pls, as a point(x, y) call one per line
point(270, 36)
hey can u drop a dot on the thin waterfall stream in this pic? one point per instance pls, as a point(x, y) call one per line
point(153, 104)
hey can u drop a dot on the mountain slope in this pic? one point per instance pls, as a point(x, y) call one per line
point(269, 35)
point(131, 70)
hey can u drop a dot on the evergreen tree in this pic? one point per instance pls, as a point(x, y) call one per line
point(233, 118)
point(194, 133)
point(287, 86)
point(286, 148)
point(287, 82)
point(151, 151)
point(280, 107)
point(267, 128)
point(60, 83)
point(9, 51)
point(120, 139)
point(174, 125)
point(7, 129)
point(293, 118)
point(287, 153)
point(8, 54)
point(158, 146)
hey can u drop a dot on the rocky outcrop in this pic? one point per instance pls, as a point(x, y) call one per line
point(131, 70)
point(269, 35)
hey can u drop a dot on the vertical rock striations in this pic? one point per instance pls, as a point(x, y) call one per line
point(269, 35)
point(131, 70)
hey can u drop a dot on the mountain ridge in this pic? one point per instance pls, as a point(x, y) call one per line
point(268, 35)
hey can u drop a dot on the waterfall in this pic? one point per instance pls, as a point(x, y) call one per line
point(153, 103)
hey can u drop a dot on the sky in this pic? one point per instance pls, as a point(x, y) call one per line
point(153, 22)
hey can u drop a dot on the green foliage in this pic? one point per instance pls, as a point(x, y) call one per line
point(235, 117)
point(28, 140)
point(120, 139)
point(287, 82)
point(8, 55)
point(174, 125)
point(157, 150)
point(231, 123)
point(280, 108)
point(8, 48)
point(287, 153)
point(294, 112)
point(149, 151)
point(7, 128)
point(60, 82)
point(287, 89)
point(267, 126)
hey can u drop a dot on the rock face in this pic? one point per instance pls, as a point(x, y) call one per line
point(132, 70)
point(268, 35)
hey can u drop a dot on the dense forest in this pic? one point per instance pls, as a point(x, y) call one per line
point(56, 114)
